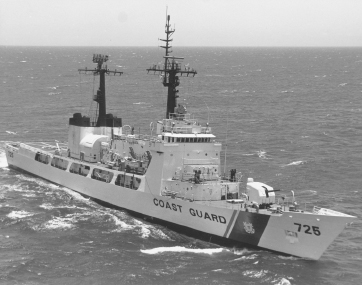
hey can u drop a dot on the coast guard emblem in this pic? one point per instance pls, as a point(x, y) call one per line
point(249, 228)
point(291, 236)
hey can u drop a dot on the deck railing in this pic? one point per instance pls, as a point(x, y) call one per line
point(327, 212)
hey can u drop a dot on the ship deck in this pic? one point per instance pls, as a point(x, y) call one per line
point(238, 204)
point(48, 146)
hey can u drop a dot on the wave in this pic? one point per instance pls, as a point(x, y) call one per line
point(19, 214)
point(158, 250)
point(229, 91)
point(144, 230)
point(63, 223)
point(243, 251)
point(149, 230)
point(305, 193)
point(245, 254)
point(246, 257)
point(16, 188)
point(255, 273)
point(283, 281)
point(56, 223)
point(121, 225)
point(59, 87)
point(288, 257)
point(48, 206)
point(29, 195)
point(262, 154)
point(3, 160)
point(38, 181)
point(76, 195)
point(70, 221)
point(299, 162)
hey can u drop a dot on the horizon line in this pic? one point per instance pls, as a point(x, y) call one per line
point(134, 46)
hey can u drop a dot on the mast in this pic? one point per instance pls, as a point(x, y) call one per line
point(170, 71)
point(100, 97)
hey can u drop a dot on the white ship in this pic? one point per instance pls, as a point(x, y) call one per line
point(174, 176)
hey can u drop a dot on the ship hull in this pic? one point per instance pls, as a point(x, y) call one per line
point(299, 234)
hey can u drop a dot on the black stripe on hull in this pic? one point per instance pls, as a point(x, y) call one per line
point(249, 227)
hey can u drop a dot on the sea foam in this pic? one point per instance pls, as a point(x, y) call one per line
point(157, 250)
point(3, 161)
point(283, 281)
point(57, 223)
point(262, 154)
point(255, 273)
point(299, 162)
point(144, 230)
point(19, 214)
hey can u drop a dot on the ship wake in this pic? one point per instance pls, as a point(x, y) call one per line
point(159, 250)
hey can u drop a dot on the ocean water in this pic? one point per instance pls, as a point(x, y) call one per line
point(290, 117)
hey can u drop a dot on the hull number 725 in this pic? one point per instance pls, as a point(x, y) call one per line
point(307, 229)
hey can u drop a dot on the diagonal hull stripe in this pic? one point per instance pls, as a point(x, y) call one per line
point(232, 221)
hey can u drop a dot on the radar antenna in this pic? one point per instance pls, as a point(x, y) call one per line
point(170, 70)
point(100, 97)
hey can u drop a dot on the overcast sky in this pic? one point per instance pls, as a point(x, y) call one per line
point(197, 22)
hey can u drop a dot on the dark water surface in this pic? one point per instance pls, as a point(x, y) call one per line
point(292, 118)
